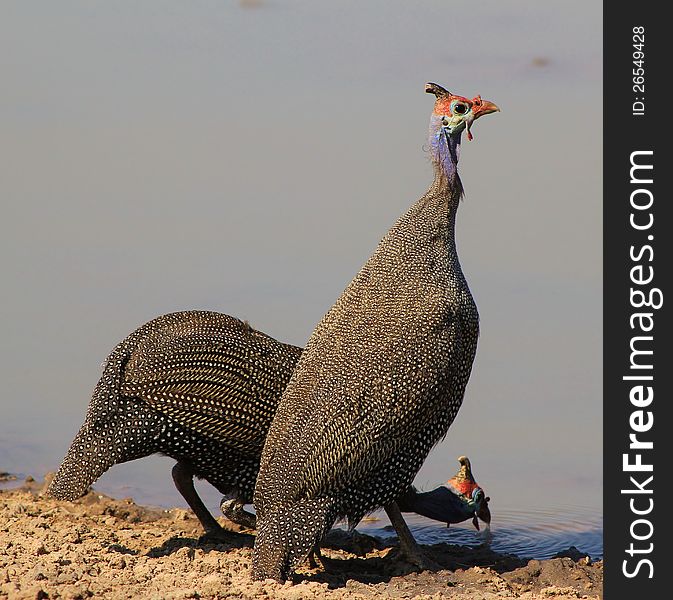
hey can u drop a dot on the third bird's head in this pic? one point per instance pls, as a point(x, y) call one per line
point(451, 116)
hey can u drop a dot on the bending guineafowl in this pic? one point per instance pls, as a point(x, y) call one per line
point(200, 387)
point(382, 376)
point(461, 496)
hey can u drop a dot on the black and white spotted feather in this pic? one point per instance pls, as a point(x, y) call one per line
point(200, 387)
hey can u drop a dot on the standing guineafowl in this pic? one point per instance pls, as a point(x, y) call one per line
point(383, 374)
point(200, 387)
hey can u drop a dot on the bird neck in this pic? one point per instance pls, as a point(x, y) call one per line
point(446, 189)
point(444, 153)
point(430, 221)
point(440, 504)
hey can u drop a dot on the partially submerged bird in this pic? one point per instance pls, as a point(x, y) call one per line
point(200, 387)
point(459, 499)
point(382, 377)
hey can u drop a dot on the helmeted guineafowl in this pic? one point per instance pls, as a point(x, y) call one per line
point(382, 376)
point(200, 387)
point(459, 499)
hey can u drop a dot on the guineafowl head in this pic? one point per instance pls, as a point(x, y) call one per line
point(464, 484)
point(451, 116)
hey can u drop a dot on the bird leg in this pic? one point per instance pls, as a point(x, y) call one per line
point(315, 553)
point(408, 545)
point(183, 477)
point(232, 508)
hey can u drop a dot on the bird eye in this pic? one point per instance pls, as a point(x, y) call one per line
point(460, 109)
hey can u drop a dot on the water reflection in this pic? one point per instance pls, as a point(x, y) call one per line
point(534, 533)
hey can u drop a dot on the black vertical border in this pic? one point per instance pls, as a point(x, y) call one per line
point(623, 134)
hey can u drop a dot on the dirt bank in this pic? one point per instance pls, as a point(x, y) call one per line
point(106, 548)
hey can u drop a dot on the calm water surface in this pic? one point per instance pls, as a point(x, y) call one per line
point(530, 533)
point(247, 158)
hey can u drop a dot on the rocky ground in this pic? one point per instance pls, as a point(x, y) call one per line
point(101, 547)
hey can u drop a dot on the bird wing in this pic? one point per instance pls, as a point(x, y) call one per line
point(213, 375)
point(329, 423)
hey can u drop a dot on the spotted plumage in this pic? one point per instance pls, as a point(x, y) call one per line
point(383, 374)
point(200, 387)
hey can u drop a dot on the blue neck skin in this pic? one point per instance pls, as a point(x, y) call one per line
point(446, 189)
point(445, 152)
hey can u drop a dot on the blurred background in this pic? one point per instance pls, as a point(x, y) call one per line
point(246, 157)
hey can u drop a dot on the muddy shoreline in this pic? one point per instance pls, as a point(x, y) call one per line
point(113, 548)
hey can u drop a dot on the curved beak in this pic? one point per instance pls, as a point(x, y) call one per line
point(484, 513)
point(484, 107)
point(479, 109)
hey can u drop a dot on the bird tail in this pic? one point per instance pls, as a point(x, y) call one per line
point(85, 462)
point(107, 437)
point(287, 534)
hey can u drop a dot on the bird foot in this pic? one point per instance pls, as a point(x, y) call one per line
point(419, 559)
point(216, 536)
point(244, 519)
point(232, 508)
point(409, 550)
